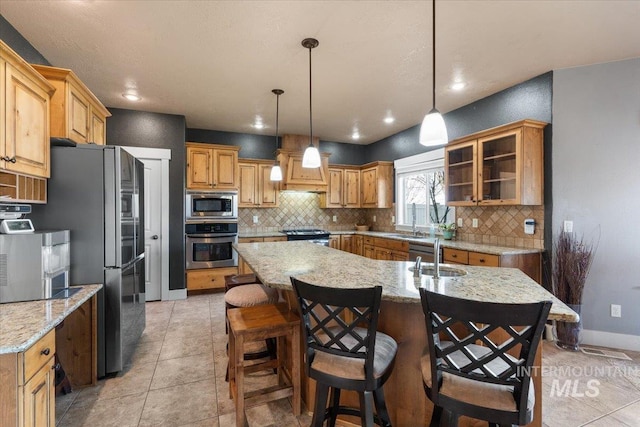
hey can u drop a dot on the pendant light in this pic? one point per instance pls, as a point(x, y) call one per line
point(276, 171)
point(433, 130)
point(311, 158)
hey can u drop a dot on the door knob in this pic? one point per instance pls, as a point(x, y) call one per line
point(155, 237)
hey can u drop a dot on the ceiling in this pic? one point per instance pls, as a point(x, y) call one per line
point(216, 62)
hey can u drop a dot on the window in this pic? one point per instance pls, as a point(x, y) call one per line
point(420, 192)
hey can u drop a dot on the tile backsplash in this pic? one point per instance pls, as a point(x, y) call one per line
point(500, 225)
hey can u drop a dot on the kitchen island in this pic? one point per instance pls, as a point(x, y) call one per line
point(32, 333)
point(401, 312)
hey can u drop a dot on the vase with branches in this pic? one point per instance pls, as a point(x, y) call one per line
point(572, 258)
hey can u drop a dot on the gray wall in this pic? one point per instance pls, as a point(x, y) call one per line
point(155, 130)
point(14, 39)
point(596, 182)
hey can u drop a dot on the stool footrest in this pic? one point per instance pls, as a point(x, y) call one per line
point(267, 394)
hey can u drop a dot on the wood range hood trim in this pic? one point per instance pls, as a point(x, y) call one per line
point(297, 178)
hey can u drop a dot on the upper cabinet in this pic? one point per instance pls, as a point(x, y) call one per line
point(343, 188)
point(212, 167)
point(256, 188)
point(499, 166)
point(377, 185)
point(295, 177)
point(24, 129)
point(76, 113)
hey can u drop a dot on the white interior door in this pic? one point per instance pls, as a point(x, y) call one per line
point(153, 228)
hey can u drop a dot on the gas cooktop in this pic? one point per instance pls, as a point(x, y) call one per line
point(305, 232)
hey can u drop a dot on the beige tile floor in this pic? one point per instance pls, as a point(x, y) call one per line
point(176, 378)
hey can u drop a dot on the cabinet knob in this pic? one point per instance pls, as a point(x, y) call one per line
point(46, 351)
point(56, 367)
point(481, 260)
point(155, 237)
point(454, 256)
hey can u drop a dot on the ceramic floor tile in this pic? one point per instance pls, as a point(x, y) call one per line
point(182, 370)
point(146, 352)
point(211, 422)
point(277, 413)
point(629, 415)
point(63, 403)
point(186, 346)
point(181, 404)
point(122, 411)
point(133, 380)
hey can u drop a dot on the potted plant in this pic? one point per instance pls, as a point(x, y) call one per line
point(572, 258)
point(448, 230)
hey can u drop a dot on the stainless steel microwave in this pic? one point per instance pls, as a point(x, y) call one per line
point(214, 205)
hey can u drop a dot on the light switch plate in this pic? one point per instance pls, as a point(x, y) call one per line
point(459, 222)
point(255, 219)
point(529, 226)
point(474, 222)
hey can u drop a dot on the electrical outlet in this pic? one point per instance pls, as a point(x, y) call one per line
point(374, 218)
point(393, 219)
point(567, 226)
point(459, 222)
point(255, 219)
point(335, 218)
point(616, 310)
point(474, 222)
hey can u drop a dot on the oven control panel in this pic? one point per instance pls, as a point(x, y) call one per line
point(211, 228)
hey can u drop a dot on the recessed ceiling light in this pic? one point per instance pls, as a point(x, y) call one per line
point(458, 86)
point(258, 124)
point(388, 120)
point(131, 96)
point(355, 135)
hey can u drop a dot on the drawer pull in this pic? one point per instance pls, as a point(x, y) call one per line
point(454, 256)
point(46, 351)
point(481, 260)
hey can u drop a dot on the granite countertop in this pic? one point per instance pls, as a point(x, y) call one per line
point(24, 323)
point(275, 262)
point(453, 244)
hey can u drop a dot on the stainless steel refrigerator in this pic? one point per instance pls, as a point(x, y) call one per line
point(96, 192)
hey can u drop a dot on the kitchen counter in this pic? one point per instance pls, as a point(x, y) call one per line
point(24, 323)
point(453, 244)
point(275, 262)
point(401, 314)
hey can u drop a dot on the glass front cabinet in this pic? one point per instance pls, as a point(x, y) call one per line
point(499, 166)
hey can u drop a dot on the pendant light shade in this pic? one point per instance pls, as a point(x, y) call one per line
point(311, 158)
point(276, 170)
point(433, 130)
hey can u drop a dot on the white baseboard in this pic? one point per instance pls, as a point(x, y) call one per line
point(611, 340)
point(176, 294)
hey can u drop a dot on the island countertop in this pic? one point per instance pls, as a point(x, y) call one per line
point(275, 262)
point(24, 323)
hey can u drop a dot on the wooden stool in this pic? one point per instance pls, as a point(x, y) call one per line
point(258, 323)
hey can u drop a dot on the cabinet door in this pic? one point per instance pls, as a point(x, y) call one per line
point(334, 196)
point(199, 166)
point(351, 188)
point(499, 169)
point(368, 251)
point(98, 130)
point(358, 245)
point(399, 256)
point(79, 116)
point(346, 242)
point(484, 260)
point(461, 174)
point(27, 125)
point(211, 278)
point(248, 193)
point(225, 166)
point(269, 191)
point(369, 188)
point(39, 395)
point(334, 242)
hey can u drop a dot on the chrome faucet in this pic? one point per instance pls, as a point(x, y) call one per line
point(436, 258)
point(417, 271)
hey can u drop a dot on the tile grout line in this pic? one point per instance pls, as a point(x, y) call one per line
point(609, 413)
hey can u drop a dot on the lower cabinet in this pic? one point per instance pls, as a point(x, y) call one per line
point(530, 264)
point(334, 241)
point(28, 385)
point(208, 278)
point(385, 249)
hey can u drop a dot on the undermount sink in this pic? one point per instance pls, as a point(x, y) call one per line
point(429, 270)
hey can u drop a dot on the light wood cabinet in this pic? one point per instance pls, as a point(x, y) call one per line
point(28, 385)
point(499, 166)
point(385, 249)
point(530, 264)
point(256, 188)
point(76, 113)
point(343, 188)
point(334, 241)
point(25, 102)
point(358, 245)
point(209, 278)
point(377, 185)
point(347, 242)
point(212, 166)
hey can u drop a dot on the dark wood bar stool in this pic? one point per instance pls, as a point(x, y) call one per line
point(467, 369)
point(257, 323)
point(344, 350)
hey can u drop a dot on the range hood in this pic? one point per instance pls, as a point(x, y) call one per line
point(294, 176)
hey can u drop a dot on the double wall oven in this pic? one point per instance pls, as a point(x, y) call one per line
point(211, 230)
